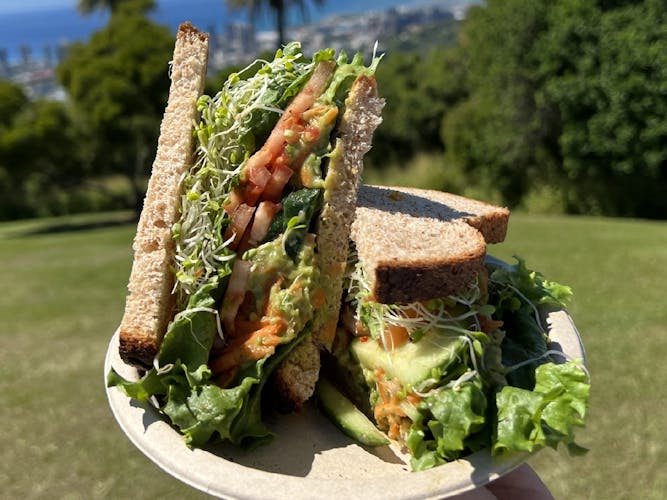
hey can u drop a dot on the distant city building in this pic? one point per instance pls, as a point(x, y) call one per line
point(353, 33)
point(240, 43)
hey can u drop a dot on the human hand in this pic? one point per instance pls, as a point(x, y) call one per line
point(522, 483)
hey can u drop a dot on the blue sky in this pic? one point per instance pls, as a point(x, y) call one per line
point(7, 6)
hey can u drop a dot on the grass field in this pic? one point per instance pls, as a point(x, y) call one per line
point(64, 286)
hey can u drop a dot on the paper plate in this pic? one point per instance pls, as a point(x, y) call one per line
point(309, 457)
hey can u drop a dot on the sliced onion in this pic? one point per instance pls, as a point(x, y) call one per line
point(264, 215)
point(234, 294)
point(239, 223)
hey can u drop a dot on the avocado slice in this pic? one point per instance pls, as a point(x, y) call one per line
point(348, 417)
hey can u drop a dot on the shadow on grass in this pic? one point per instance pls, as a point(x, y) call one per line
point(72, 224)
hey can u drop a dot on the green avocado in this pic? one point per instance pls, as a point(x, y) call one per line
point(285, 283)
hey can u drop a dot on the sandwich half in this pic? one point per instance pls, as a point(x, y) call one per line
point(443, 350)
point(241, 248)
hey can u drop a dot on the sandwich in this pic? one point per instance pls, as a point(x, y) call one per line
point(241, 247)
point(443, 348)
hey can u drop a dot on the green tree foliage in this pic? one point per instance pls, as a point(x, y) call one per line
point(419, 90)
point(498, 133)
point(40, 155)
point(608, 80)
point(12, 100)
point(119, 82)
point(569, 93)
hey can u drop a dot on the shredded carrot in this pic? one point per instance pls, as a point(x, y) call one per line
point(252, 349)
point(254, 340)
point(488, 325)
point(388, 413)
point(226, 378)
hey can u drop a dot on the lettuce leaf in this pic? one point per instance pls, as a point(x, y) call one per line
point(187, 343)
point(190, 335)
point(182, 382)
point(448, 419)
point(503, 394)
point(201, 409)
point(517, 292)
point(547, 415)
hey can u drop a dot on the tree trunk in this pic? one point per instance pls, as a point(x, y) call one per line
point(280, 20)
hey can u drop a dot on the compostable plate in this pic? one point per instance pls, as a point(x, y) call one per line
point(309, 458)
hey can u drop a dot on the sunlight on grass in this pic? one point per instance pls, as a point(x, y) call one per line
point(616, 268)
point(64, 298)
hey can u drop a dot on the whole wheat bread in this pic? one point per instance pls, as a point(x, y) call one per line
point(295, 378)
point(361, 116)
point(418, 244)
point(149, 305)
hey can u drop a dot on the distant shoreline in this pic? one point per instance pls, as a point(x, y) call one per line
point(45, 30)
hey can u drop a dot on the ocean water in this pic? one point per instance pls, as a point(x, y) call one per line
point(51, 27)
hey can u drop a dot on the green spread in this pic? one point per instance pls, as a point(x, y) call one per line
point(285, 284)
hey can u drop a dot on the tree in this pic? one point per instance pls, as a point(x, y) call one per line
point(419, 91)
point(119, 82)
point(40, 154)
point(12, 100)
point(500, 135)
point(605, 72)
point(278, 7)
point(567, 93)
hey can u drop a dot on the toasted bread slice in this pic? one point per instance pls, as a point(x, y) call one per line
point(149, 305)
point(418, 244)
point(360, 118)
point(295, 378)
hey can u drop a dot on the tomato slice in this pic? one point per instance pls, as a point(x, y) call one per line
point(259, 175)
point(233, 201)
point(288, 130)
point(276, 185)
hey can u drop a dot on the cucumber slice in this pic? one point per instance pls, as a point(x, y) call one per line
point(347, 417)
point(412, 362)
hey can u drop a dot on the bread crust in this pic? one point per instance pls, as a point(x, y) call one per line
point(418, 281)
point(361, 116)
point(149, 305)
point(294, 381)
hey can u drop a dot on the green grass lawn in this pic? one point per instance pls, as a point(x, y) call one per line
point(64, 287)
